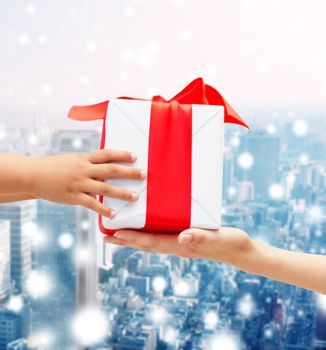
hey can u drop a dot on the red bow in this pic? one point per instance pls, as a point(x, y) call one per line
point(197, 92)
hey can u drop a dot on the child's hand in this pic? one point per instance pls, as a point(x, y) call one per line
point(77, 179)
point(226, 245)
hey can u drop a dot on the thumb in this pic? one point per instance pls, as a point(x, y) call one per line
point(196, 236)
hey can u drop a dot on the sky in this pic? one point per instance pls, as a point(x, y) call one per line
point(257, 53)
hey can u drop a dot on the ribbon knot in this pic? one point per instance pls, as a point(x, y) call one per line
point(197, 92)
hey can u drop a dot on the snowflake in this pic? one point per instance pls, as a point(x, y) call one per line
point(246, 306)
point(91, 47)
point(300, 128)
point(245, 160)
point(30, 9)
point(159, 284)
point(89, 326)
point(276, 191)
point(15, 303)
point(170, 335)
point(223, 341)
point(210, 320)
point(38, 284)
point(159, 315)
point(182, 288)
point(271, 129)
point(65, 240)
point(24, 39)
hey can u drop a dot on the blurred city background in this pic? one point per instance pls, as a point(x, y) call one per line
point(61, 287)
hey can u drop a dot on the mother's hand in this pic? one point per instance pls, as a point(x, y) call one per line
point(226, 244)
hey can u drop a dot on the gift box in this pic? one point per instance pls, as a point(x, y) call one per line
point(179, 143)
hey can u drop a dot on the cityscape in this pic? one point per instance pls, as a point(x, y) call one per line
point(62, 287)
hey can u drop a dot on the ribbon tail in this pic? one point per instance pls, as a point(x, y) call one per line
point(87, 113)
point(231, 116)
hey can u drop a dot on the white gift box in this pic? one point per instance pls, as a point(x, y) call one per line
point(127, 127)
point(179, 143)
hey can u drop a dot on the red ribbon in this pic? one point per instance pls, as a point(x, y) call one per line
point(169, 173)
point(169, 167)
point(197, 92)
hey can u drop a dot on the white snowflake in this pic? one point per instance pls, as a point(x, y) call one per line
point(276, 191)
point(65, 240)
point(30, 9)
point(38, 284)
point(210, 320)
point(91, 47)
point(15, 303)
point(159, 284)
point(89, 326)
point(245, 160)
point(223, 341)
point(181, 288)
point(300, 128)
point(24, 39)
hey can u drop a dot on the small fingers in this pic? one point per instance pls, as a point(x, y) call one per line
point(91, 203)
point(111, 155)
point(115, 171)
point(99, 187)
point(113, 240)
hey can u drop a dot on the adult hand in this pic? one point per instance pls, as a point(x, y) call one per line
point(226, 244)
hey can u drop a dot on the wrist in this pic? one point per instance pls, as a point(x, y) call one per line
point(249, 257)
point(29, 175)
point(259, 259)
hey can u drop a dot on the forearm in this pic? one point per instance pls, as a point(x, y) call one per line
point(300, 269)
point(15, 174)
point(6, 198)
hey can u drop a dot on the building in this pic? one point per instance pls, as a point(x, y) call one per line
point(139, 283)
point(228, 173)
point(70, 253)
point(19, 344)
point(245, 191)
point(4, 258)
point(9, 328)
point(19, 214)
point(264, 170)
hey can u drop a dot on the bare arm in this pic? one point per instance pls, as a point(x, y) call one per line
point(68, 178)
point(6, 198)
point(14, 174)
point(234, 247)
point(300, 269)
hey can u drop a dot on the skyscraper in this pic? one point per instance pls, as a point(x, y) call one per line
point(19, 214)
point(228, 173)
point(263, 168)
point(9, 327)
point(69, 257)
point(4, 258)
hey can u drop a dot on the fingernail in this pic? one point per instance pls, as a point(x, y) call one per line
point(134, 196)
point(185, 239)
point(113, 214)
point(133, 157)
point(143, 174)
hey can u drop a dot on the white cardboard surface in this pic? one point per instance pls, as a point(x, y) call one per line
point(127, 127)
